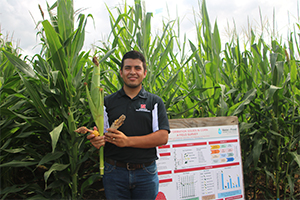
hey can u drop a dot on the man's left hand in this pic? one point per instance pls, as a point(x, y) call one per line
point(116, 137)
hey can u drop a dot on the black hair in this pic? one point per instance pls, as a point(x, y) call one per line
point(134, 55)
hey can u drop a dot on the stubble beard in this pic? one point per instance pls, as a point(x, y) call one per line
point(132, 86)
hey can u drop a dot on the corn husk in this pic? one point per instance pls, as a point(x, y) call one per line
point(95, 98)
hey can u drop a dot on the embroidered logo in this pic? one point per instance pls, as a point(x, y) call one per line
point(143, 108)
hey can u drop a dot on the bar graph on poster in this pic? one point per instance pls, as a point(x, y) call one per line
point(201, 164)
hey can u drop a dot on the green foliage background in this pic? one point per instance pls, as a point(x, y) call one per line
point(43, 100)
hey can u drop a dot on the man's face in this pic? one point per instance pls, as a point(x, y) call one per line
point(133, 72)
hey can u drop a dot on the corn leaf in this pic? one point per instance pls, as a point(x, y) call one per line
point(41, 108)
point(55, 135)
point(89, 182)
point(56, 49)
point(13, 189)
point(21, 65)
point(17, 163)
point(296, 157)
point(50, 157)
point(54, 167)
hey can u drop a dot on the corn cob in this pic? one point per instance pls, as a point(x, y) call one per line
point(96, 133)
point(96, 102)
point(84, 130)
point(118, 122)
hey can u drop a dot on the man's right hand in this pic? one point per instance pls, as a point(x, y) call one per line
point(97, 141)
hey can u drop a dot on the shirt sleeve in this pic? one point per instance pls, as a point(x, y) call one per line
point(106, 123)
point(163, 121)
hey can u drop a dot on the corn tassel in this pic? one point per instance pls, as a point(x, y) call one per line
point(96, 102)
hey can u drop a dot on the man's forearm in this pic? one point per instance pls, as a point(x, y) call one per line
point(155, 139)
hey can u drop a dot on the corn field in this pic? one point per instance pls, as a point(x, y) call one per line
point(43, 99)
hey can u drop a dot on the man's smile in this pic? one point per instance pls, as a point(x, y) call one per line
point(132, 78)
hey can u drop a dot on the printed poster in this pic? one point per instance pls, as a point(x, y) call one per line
point(200, 164)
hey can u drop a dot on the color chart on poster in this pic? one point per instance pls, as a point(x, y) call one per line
point(201, 164)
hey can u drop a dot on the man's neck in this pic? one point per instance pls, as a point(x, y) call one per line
point(132, 92)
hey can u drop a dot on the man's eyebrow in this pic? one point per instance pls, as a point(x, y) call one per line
point(133, 66)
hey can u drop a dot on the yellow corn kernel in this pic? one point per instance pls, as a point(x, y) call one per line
point(96, 133)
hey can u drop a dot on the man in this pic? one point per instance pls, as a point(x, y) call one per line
point(130, 152)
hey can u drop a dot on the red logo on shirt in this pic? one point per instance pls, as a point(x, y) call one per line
point(143, 108)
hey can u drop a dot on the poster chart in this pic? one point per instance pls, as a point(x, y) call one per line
point(200, 164)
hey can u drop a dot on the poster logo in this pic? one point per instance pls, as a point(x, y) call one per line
point(161, 196)
point(220, 131)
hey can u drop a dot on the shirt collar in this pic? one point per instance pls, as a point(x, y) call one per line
point(141, 94)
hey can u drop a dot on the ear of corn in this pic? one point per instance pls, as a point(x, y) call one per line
point(84, 130)
point(96, 133)
point(95, 98)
